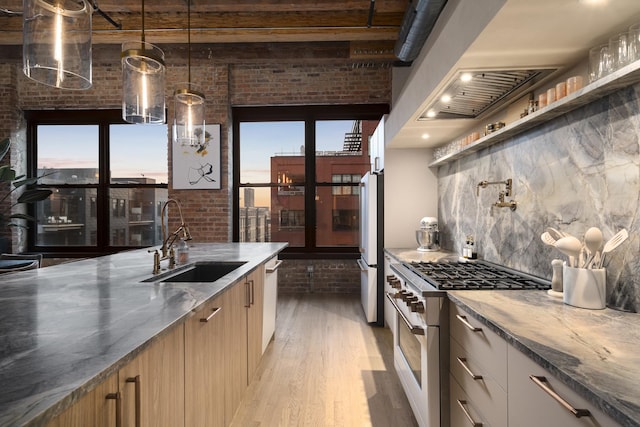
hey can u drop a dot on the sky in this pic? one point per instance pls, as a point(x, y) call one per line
point(141, 150)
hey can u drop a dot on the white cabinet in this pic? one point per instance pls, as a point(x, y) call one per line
point(536, 398)
point(478, 380)
point(389, 311)
point(376, 147)
point(270, 300)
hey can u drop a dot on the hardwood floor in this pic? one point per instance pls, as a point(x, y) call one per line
point(326, 367)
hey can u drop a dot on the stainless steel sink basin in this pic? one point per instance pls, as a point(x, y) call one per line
point(201, 272)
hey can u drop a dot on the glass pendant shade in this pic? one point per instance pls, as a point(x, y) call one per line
point(188, 126)
point(56, 47)
point(143, 81)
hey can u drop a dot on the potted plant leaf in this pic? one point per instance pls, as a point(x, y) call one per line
point(14, 182)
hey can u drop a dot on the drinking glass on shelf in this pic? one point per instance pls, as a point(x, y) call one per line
point(618, 52)
point(634, 42)
point(594, 63)
point(606, 63)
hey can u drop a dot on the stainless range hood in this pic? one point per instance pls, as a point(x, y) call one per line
point(470, 94)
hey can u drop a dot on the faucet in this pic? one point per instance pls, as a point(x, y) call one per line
point(501, 203)
point(167, 241)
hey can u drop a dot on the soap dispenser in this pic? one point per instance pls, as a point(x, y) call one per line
point(183, 252)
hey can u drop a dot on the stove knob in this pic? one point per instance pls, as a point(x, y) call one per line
point(417, 307)
point(396, 284)
point(399, 295)
point(390, 277)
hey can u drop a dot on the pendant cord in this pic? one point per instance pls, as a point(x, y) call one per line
point(189, 41)
point(142, 21)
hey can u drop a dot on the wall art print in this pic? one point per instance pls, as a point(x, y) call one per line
point(198, 167)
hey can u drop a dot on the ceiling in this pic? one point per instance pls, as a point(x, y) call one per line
point(552, 34)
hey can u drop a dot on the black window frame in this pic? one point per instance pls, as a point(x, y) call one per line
point(103, 119)
point(309, 115)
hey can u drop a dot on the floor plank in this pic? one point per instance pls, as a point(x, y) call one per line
point(325, 367)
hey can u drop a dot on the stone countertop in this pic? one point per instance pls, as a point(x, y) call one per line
point(65, 328)
point(594, 352)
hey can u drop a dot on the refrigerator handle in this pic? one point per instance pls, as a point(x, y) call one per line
point(362, 265)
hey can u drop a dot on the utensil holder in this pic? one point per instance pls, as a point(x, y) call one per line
point(584, 287)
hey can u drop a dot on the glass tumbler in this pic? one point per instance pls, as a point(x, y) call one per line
point(594, 63)
point(618, 51)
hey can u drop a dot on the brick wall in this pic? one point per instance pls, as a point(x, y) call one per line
point(230, 75)
point(319, 276)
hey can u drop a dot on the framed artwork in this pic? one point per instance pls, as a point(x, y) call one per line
point(198, 167)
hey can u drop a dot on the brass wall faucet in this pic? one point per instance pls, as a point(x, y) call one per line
point(501, 203)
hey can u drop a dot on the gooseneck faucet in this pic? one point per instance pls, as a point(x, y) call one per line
point(167, 241)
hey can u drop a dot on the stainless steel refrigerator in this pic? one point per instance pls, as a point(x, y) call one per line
point(371, 247)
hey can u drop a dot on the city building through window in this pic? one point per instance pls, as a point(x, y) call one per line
point(108, 179)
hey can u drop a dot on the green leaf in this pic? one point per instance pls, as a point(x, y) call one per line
point(5, 144)
point(31, 196)
point(26, 181)
point(7, 174)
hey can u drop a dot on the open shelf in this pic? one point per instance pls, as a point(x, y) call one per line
point(619, 79)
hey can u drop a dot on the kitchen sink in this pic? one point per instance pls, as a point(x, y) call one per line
point(201, 272)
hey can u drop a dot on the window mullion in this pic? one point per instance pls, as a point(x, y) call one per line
point(310, 183)
point(103, 188)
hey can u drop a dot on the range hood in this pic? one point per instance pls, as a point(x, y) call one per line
point(471, 94)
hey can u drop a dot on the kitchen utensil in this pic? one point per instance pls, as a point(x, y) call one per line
point(613, 243)
point(556, 234)
point(571, 247)
point(548, 239)
point(593, 242)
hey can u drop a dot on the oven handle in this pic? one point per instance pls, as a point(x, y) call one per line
point(416, 330)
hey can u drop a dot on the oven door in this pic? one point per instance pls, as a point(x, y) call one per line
point(416, 357)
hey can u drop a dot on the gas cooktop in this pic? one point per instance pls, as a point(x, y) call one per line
point(463, 275)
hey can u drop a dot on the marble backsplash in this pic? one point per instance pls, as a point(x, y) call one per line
point(574, 172)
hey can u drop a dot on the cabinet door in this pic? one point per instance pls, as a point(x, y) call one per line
point(255, 317)
point(204, 366)
point(235, 347)
point(97, 408)
point(152, 384)
point(531, 406)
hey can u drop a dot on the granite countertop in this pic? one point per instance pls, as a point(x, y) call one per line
point(594, 352)
point(65, 328)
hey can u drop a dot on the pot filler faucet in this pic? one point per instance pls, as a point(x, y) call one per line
point(168, 241)
point(501, 203)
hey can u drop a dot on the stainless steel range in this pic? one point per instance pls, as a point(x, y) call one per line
point(421, 330)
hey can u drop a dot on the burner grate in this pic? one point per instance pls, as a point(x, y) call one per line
point(478, 275)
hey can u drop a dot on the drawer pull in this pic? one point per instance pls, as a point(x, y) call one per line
point(136, 381)
point(118, 398)
point(463, 361)
point(466, 323)
point(463, 406)
point(209, 317)
point(543, 384)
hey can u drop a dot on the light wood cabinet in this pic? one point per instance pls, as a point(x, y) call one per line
point(235, 344)
point(94, 408)
point(532, 404)
point(152, 384)
point(255, 320)
point(204, 365)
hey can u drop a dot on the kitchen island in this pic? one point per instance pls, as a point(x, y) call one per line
point(595, 353)
point(65, 328)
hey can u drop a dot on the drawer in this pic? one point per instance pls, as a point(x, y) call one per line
point(483, 392)
point(531, 406)
point(462, 411)
point(489, 349)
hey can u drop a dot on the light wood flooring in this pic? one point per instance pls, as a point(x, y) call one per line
point(325, 367)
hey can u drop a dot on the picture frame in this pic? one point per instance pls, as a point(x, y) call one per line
point(198, 167)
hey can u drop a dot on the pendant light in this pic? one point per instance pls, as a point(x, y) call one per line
point(56, 47)
point(188, 125)
point(143, 75)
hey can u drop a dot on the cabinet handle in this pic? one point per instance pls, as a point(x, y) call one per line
point(136, 381)
point(463, 406)
point(209, 317)
point(542, 382)
point(275, 267)
point(247, 295)
point(466, 323)
point(252, 292)
point(375, 163)
point(117, 397)
point(463, 361)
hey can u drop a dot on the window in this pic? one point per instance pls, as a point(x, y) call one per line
point(107, 178)
point(297, 172)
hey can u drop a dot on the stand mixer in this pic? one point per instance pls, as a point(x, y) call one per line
point(428, 236)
